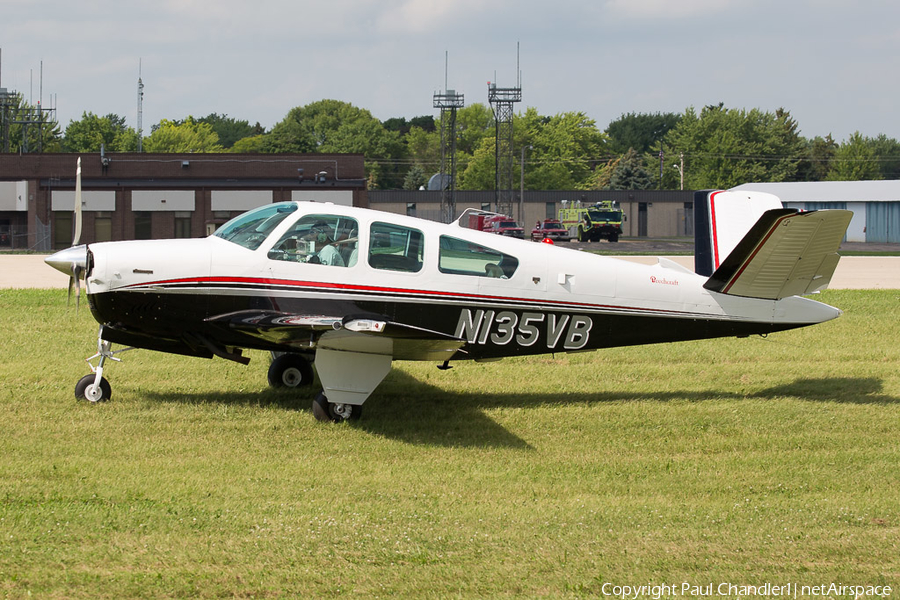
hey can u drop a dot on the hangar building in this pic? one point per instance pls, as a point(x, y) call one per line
point(875, 204)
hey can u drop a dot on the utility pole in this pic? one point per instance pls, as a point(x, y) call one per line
point(660, 165)
point(522, 187)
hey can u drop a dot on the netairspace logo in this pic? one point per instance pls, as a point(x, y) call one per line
point(732, 590)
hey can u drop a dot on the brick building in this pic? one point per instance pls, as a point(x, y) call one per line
point(142, 196)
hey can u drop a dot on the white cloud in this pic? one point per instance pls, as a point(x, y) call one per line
point(667, 9)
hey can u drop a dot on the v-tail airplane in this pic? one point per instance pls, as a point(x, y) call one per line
point(346, 291)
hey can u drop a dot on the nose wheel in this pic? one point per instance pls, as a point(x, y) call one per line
point(88, 388)
point(95, 387)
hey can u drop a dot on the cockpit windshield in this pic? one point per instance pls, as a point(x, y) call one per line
point(252, 228)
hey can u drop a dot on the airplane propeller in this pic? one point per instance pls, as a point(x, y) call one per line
point(73, 261)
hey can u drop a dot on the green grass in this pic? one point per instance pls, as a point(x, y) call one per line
point(743, 461)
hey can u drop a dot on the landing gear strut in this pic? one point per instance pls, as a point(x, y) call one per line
point(94, 387)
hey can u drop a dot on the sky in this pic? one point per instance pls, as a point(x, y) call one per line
point(833, 64)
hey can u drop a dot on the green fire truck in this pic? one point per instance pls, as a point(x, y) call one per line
point(594, 222)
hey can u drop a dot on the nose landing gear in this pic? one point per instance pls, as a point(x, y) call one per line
point(94, 387)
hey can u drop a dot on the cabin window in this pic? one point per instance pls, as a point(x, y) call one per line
point(395, 248)
point(252, 228)
point(460, 257)
point(319, 239)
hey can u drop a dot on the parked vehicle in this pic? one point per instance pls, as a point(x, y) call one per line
point(602, 220)
point(549, 229)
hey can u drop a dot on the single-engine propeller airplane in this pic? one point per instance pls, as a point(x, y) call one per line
point(350, 290)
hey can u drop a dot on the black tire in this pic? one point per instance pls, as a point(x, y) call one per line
point(327, 412)
point(290, 371)
point(84, 389)
point(613, 238)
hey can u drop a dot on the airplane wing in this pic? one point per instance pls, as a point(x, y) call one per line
point(786, 253)
point(352, 333)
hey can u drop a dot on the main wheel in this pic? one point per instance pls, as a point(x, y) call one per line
point(327, 411)
point(86, 390)
point(290, 370)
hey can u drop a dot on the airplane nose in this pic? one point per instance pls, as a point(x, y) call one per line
point(70, 260)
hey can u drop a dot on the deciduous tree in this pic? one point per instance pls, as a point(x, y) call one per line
point(189, 136)
point(727, 147)
point(91, 132)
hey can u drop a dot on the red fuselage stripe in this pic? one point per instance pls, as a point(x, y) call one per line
point(715, 233)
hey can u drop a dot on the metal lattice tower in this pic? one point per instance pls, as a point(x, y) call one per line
point(140, 111)
point(13, 111)
point(449, 102)
point(502, 101)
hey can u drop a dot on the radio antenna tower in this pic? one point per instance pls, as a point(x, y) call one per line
point(448, 101)
point(140, 110)
point(502, 101)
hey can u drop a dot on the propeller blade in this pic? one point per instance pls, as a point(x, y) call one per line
point(77, 237)
point(76, 274)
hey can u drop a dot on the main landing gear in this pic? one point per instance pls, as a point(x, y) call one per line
point(289, 371)
point(294, 371)
point(335, 412)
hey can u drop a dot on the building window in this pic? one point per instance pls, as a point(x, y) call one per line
point(62, 234)
point(182, 224)
point(550, 210)
point(486, 206)
point(143, 229)
point(103, 226)
point(410, 209)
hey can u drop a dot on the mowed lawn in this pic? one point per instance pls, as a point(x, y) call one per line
point(738, 460)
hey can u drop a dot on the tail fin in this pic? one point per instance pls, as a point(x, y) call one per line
point(784, 253)
point(721, 219)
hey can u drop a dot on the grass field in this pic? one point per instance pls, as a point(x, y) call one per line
point(739, 461)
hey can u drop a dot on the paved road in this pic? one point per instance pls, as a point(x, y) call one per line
point(853, 272)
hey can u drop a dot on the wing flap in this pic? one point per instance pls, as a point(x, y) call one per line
point(786, 253)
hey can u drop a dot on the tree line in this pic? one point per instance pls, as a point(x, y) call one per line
point(714, 147)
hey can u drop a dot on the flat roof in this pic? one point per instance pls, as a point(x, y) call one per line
point(829, 191)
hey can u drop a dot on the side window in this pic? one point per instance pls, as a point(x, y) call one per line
point(460, 257)
point(395, 248)
point(319, 239)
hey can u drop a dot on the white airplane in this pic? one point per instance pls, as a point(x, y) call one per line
point(350, 290)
